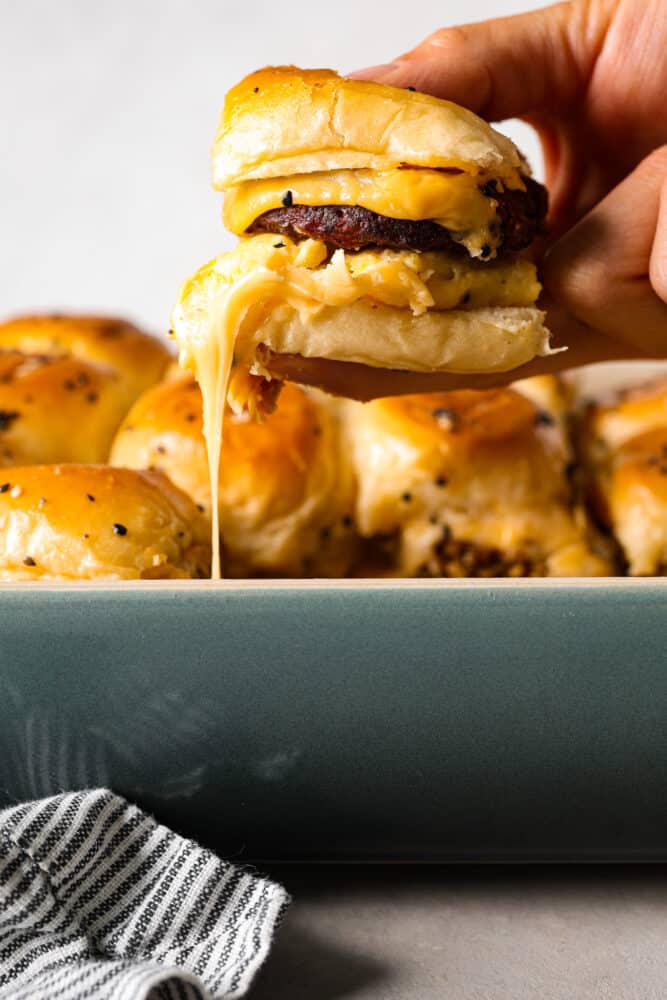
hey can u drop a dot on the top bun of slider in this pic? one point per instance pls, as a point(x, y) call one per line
point(283, 120)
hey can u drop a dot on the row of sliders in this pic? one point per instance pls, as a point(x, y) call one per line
point(104, 474)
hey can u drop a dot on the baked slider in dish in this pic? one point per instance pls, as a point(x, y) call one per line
point(66, 382)
point(286, 490)
point(470, 484)
point(623, 445)
point(92, 522)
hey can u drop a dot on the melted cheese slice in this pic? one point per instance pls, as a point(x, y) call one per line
point(453, 200)
point(226, 309)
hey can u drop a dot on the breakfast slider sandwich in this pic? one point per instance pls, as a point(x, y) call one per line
point(472, 484)
point(378, 226)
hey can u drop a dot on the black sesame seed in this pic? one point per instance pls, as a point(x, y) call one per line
point(190, 418)
point(412, 89)
point(29, 561)
point(446, 415)
point(490, 189)
point(325, 534)
point(466, 299)
point(255, 90)
point(200, 508)
point(287, 199)
point(82, 378)
point(406, 497)
point(485, 251)
point(5, 487)
point(441, 481)
point(86, 536)
point(92, 397)
point(119, 529)
point(278, 246)
point(544, 419)
point(7, 418)
point(69, 384)
point(90, 497)
point(346, 521)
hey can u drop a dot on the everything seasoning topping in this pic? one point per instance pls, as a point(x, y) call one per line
point(119, 529)
point(7, 418)
point(287, 199)
point(29, 561)
point(446, 417)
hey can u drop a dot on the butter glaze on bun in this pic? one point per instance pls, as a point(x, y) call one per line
point(283, 120)
point(135, 359)
point(91, 522)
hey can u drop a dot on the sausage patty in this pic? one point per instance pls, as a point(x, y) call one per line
point(520, 214)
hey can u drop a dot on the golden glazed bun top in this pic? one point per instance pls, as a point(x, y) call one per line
point(286, 489)
point(136, 359)
point(283, 120)
point(92, 522)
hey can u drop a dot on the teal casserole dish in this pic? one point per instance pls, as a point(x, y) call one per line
point(401, 720)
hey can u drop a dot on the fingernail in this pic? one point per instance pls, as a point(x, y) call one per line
point(373, 72)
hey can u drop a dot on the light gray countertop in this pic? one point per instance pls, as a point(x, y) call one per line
point(470, 933)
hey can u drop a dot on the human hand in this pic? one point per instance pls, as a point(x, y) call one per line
point(591, 77)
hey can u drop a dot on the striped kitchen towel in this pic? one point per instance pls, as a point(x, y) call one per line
point(98, 900)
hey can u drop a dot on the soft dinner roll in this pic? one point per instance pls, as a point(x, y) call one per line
point(76, 522)
point(57, 409)
point(623, 444)
point(282, 120)
point(471, 484)
point(286, 487)
point(137, 359)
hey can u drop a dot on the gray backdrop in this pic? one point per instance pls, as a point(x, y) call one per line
point(108, 111)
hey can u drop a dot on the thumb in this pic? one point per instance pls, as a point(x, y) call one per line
point(506, 67)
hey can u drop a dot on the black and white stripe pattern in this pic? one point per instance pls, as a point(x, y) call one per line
point(98, 900)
